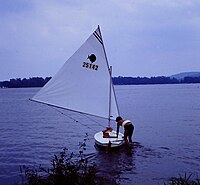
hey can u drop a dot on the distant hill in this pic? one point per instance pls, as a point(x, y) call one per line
point(181, 76)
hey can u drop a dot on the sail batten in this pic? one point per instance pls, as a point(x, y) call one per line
point(83, 83)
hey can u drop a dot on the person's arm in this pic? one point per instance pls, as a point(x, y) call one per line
point(117, 130)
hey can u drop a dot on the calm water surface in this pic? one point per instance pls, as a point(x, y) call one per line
point(167, 134)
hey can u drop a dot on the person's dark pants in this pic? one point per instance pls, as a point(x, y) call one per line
point(128, 132)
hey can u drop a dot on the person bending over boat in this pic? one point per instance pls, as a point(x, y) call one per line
point(128, 129)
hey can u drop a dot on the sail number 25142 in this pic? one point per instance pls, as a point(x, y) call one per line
point(90, 66)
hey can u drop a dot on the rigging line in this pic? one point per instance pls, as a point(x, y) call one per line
point(89, 117)
point(71, 118)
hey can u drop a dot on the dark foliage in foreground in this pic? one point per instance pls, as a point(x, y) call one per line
point(66, 169)
point(186, 180)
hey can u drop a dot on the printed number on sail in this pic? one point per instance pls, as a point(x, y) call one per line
point(90, 66)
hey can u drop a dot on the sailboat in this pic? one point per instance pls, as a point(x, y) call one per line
point(84, 85)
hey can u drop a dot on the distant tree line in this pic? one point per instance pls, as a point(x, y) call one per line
point(31, 82)
point(153, 80)
point(40, 82)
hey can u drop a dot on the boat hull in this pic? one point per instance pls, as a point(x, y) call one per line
point(111, 142)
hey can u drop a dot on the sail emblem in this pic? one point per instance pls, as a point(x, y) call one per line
point(92, 58)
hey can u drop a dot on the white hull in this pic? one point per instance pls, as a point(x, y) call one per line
point(108, 142)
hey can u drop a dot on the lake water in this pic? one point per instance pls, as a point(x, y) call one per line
point(166, 136)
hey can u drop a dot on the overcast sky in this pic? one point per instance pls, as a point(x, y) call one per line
point(142, 37)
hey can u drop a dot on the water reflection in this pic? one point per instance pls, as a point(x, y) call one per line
point(117, 165)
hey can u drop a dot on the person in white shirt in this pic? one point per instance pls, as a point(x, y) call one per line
point(128, 129)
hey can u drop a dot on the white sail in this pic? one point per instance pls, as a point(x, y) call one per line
point(83, 83)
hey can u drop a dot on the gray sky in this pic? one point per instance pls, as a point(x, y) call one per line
point(142, 37)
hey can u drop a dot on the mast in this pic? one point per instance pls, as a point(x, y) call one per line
point(110, 84)
point(109, 114)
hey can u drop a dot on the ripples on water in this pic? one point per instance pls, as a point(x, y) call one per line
point(167, 127)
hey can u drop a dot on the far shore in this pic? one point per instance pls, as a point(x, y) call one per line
point(40, 82)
